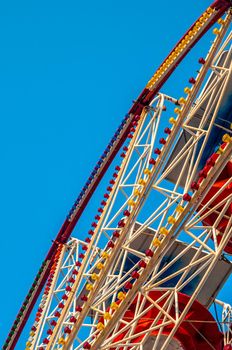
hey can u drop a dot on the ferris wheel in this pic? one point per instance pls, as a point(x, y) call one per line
point(158, 250)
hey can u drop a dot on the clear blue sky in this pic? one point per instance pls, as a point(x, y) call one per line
point(68, 73)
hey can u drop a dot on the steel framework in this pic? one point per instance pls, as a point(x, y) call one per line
point(105, 271)
point(155, 199)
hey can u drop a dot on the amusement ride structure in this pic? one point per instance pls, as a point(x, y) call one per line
point(158, 250)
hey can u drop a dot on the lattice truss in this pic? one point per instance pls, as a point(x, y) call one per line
point(123, 262)
point(226, 321)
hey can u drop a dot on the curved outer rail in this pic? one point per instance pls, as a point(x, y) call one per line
point(186, 43)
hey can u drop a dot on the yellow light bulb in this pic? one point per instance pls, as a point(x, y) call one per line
point(94, 277)
point(202, 19)
point(210, 10)
point(205, 16)
point(121, 296)
point(147, 171)
point(100, 266)
point(137, 192)
point(89, 286)
point(114, 306)
point(187, 90)
point(156, 242)
point(177, 110)
point(173, 56)
point(172, 120)
point(221, 21)
point(226, 138)
point(179, 208)
point(61, 341)
point(216, 31)
point(150, 83)
point(131, 203)
point(105, 255)
point(164, 231)
point(171, 220)
point(195, 30)
point(107, 316)
point(100, 326)
point(142, 182)
point(182, 100)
